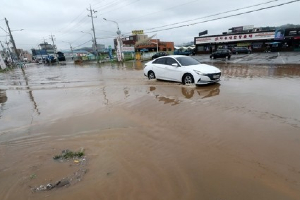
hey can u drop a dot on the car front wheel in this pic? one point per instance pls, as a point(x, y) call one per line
point(188, 79)
point(151, 75)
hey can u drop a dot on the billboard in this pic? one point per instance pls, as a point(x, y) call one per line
point(137, 32)
point(128, 49)
point(249, 27)
point(279, 34)
point(235, 37)
point(203, 33)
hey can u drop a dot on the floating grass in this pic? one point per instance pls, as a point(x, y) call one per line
point(67, 154)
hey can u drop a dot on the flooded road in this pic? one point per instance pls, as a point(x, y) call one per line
point(148, 139)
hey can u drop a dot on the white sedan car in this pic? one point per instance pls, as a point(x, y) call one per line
point(183, 69)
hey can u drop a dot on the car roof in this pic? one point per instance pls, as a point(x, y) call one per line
point(175, 56)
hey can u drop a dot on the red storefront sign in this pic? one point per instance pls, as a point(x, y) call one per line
point(237, 37)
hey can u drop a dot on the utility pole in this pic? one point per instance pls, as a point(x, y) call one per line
point(93, 29)
point(12, 40)
point(72, 51)
point(54, 47)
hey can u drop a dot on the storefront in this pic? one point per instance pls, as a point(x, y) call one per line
point(254, 41)
point(279, 40)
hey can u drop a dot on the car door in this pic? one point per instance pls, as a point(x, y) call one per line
point(159, 66)
point(172, 72)
point(218, 54)
point(224, 53)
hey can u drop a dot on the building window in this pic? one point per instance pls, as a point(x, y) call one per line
point(200, 48)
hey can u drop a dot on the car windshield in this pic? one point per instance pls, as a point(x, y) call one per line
point(186, 61)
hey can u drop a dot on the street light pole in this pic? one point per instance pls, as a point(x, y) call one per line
point(119, 41)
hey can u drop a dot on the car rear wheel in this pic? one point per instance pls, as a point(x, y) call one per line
point(188, 79)
point(236, 52)
point(212, 57)
point(227, 57)
point(151, 75)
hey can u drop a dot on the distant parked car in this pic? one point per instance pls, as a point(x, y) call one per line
point(237, 50)
point(221, 53)
point(50, 59)
point(159, 54)
point(61, 56)
point(183, 69)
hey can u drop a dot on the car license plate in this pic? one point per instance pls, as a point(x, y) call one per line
point(216, 76)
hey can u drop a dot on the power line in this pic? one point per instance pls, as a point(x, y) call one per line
point(83, 43)
point(72, 21)
point(3, 29)
point(121, 7)
point(213, 15)
point(103, 7)
point(233, 15)
point(160, 10)
point(79, 37)
point(74, 26)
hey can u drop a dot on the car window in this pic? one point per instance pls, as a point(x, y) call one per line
point(186, 61)
point(170, 61)
point(160, 61)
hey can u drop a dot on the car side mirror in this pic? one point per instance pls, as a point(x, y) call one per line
point(175, 64)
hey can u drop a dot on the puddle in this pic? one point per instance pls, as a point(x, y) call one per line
point(148, 139)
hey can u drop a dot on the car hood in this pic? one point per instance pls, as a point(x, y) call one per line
point(204, 68)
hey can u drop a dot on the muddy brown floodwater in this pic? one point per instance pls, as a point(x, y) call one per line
point(239, 139)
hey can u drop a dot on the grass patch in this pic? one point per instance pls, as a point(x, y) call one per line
point(5, 70)
point(67, 154)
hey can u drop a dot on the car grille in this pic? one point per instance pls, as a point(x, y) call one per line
point(214, 76)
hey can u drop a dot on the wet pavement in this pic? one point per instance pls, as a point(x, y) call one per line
point(148, 139)
point(270, 58)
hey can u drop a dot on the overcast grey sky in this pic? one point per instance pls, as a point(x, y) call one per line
point(67, 18)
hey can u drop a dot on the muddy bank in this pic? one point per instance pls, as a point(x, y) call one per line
point(151, 139)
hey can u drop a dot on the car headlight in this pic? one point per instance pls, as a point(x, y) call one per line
point(198, 72)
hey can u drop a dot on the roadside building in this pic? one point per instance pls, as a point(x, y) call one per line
point(25, 55)
point(256, 39)
point(142, 42)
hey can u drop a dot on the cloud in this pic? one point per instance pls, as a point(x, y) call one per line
point(66, 19)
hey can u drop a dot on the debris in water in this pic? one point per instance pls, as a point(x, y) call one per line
point(32, 176)
point(78, 158)
point(67, 154)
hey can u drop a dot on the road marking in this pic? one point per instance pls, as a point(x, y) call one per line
point(283, 62)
